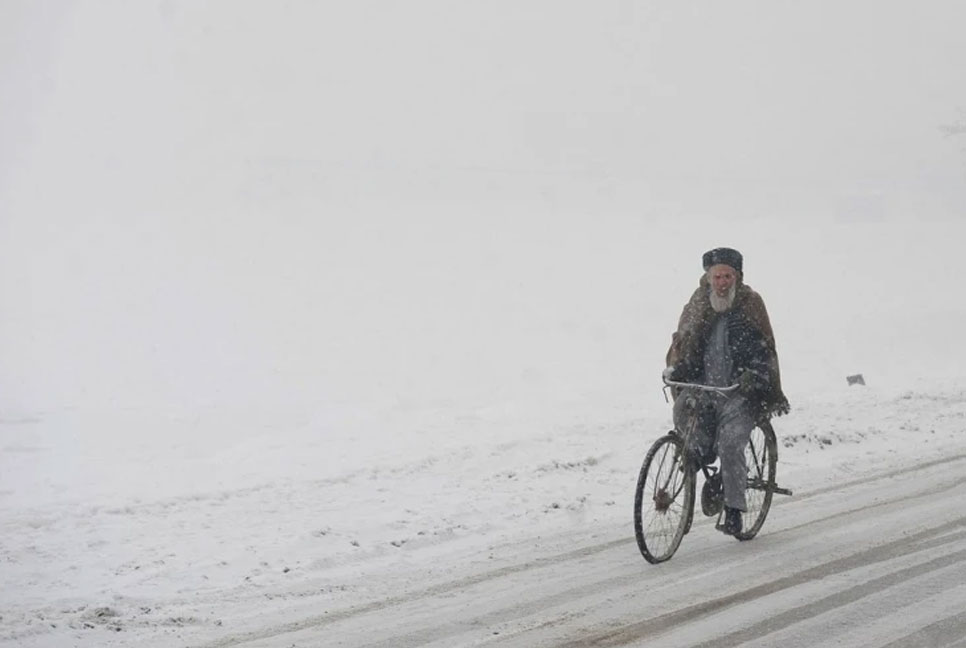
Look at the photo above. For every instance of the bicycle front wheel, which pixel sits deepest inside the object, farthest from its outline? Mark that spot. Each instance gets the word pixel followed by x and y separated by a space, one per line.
pixel 664 500
pixel 761 459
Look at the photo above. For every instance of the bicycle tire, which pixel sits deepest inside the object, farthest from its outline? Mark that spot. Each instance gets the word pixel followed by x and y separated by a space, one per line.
pixel 663 500
pixel 692 488
pixel 761 459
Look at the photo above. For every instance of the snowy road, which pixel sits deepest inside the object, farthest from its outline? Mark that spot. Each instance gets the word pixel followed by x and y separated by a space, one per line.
pixel 496 541
pixel 879 561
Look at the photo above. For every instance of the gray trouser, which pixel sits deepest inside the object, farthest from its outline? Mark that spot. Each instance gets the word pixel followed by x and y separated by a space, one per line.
pixel 731 417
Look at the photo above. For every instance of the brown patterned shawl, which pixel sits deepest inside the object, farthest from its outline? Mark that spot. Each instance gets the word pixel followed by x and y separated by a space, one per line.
pixel 687 343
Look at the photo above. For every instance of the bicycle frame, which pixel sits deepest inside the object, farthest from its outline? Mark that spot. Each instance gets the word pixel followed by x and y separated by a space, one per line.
pixel 723 391
pixel 693 462
pixel 665 497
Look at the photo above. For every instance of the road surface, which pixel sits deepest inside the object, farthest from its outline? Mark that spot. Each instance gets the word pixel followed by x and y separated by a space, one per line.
pixel 873 562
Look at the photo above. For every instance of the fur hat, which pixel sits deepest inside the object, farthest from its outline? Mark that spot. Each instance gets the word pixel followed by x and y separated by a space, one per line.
pixel 725 256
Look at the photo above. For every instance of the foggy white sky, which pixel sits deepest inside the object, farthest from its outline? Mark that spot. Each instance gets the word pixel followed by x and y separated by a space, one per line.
pixel 205 203
pixel 825 98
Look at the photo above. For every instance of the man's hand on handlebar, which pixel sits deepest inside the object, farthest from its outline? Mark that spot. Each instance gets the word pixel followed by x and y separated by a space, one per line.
pixel 746 383
pixel 751 381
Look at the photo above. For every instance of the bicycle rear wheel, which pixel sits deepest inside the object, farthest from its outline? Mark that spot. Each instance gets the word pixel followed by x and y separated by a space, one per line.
pixel 761 459
pixel 664 500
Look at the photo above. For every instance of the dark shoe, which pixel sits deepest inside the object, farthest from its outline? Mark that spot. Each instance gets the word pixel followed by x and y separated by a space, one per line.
pixel 732 521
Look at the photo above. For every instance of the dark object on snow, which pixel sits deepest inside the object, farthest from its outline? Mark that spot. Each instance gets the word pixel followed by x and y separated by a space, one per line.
pixel 712 495
pixel 857 379
pixel 726 256
pixel 732 522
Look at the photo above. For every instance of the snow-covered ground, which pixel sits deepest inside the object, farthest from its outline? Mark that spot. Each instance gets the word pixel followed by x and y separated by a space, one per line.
pixel 175 538
pixel 309 307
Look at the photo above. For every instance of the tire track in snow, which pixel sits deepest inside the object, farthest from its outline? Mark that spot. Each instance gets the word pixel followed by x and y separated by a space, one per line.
pixel 950 632
pixel 951 532
pixel 321 620
pixel 840 599
pixel 435 590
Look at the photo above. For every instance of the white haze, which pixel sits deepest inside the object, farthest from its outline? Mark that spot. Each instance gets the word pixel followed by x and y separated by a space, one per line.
pixel 241 241
pixel 210 205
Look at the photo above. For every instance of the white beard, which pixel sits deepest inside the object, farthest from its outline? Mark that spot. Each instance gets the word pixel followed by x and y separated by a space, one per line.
pixel 722 304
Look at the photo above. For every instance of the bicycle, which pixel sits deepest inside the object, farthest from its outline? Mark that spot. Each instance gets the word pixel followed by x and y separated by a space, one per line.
pixel 665 495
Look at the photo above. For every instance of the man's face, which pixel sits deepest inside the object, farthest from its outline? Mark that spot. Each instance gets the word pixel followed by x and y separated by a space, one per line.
pixel 722 277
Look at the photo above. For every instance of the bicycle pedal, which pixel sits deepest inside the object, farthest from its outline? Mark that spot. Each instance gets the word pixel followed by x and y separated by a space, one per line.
pixel 712 497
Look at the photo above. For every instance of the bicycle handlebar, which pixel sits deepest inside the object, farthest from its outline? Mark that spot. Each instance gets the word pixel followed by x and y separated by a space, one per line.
pixel 709 388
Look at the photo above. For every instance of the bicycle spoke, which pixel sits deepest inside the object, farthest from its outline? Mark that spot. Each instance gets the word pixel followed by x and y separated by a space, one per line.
pixel 755 456
pixel 663 501
pixel 760 459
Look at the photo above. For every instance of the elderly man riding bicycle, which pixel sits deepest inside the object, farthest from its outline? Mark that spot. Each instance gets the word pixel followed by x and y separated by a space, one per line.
pixel 724 337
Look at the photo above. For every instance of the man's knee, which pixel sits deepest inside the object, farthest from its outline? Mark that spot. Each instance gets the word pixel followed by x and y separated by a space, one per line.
pixel 733 438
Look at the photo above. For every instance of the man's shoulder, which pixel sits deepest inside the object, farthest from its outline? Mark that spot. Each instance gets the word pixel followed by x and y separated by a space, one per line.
pixel 748 290
pixel 751 297
pixel 752 308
